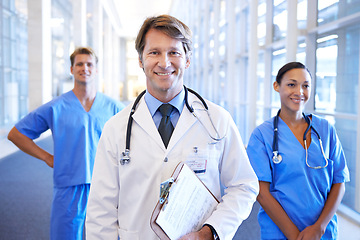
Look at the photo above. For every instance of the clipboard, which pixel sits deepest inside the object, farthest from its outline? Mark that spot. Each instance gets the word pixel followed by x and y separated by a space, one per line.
pixel 183 188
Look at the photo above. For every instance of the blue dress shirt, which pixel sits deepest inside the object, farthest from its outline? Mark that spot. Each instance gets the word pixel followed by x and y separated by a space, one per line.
pixel 153 104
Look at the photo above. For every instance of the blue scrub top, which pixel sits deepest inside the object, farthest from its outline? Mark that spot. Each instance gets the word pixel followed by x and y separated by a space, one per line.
pixel 75 133
pixel 301 191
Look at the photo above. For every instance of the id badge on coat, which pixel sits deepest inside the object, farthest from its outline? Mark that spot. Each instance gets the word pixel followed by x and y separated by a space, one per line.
pixel 197 160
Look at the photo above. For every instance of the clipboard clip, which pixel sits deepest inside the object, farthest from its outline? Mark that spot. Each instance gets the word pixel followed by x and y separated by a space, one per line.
pixel 165 189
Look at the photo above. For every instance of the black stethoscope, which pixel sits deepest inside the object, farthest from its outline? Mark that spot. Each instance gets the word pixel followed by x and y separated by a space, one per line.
pixel 277 158
pixel 126 154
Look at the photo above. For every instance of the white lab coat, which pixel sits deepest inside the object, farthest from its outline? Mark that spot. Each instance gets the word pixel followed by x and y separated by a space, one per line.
pixel 122 197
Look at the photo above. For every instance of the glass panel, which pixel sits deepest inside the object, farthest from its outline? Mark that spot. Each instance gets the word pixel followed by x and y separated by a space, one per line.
pixel 7 52
pixel 62 33
pixel 241 73
pixel 211 34
pixel 261 22
pixel 242 27
pixel 223 29
pixel 259 115
pixel 23 92
pixel 1 53
pixel 196 53
pixel 261 76
pixel 9 4
pixel 12 101
pixel 280 19
pixel 13 60
pixel 222 47
pixel 302 14
pixel 326 57
pixel 301 54
pixel 221 88
pixel 1 112
pixel 89 22
pixel 279 59
pixel 211 50
pixel 210 90
pixel 337 71
pixel 6 3
pixel 327 11
pixel 347 80
pixel 347 130
pixel 21 8
pixel 1 83
pixel 330 10
pixel 14 49
pixel 6 23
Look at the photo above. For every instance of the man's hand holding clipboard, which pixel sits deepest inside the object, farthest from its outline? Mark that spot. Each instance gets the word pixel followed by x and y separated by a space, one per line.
pixel 186 206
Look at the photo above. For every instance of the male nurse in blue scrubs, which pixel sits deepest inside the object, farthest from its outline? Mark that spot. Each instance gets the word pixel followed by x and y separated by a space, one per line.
pixel 76 120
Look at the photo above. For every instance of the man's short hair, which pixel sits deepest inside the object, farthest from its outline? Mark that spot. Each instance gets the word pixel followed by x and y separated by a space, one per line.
pixel 170 26
pixel 82 50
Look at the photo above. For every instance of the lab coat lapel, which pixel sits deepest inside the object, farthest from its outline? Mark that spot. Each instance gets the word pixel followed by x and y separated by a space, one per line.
pixel 185 122
pixel 143 118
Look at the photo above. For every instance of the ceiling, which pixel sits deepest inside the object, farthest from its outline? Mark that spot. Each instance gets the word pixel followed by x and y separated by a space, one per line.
pixel 132 13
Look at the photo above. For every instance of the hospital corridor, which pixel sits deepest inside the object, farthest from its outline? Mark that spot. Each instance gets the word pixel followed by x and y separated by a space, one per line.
pixel 281 77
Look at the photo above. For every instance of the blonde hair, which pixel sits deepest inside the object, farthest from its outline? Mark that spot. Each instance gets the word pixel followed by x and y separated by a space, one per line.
pixel 82 50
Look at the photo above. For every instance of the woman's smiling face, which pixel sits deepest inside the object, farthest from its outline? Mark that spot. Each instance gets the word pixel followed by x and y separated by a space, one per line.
pixel 294 89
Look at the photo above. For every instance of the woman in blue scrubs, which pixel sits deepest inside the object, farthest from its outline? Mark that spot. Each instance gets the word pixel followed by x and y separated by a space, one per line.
pixel 301 191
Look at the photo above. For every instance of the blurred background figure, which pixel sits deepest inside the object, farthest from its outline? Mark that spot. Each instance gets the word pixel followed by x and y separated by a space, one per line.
pixel 76 119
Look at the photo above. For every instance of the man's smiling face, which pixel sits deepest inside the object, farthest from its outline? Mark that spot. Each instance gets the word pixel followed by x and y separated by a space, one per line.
pixel 164 62
pixel 84 68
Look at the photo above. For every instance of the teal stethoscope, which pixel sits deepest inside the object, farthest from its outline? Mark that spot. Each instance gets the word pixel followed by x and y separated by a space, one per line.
pixel 126 154
pixel 277 158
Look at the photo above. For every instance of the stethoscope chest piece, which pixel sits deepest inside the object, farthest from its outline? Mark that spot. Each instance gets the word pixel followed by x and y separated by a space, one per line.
pixel 276 158
pixel 125 158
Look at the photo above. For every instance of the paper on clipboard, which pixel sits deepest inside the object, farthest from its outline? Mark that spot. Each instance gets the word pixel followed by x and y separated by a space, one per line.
pixel 188 205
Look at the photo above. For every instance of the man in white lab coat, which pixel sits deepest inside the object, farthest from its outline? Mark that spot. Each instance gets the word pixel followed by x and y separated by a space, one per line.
pixel 122 197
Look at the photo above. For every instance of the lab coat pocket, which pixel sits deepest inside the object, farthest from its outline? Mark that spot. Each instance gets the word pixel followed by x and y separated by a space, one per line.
pixel 203 160
pixel 197 159
pixel 128 235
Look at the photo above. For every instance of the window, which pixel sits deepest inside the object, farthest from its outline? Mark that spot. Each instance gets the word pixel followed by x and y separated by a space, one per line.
pixel 301 52
pixel 302 14
pixel 89 22
pixel 261 30
pixel 326 58
pixel 278 60
pixel 13 61
pixel 337 84
pixel 331 10
pixel 280 20
pixel 62 46
pixel 261 89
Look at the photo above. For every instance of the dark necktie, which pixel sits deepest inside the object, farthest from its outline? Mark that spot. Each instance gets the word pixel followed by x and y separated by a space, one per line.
pixel 165 127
